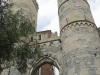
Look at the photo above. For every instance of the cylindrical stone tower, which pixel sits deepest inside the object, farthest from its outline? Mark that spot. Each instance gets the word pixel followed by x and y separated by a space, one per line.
pixel 79 37
pixel 29 8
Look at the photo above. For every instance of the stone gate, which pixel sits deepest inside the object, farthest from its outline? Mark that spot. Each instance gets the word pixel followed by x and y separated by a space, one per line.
pixel 77 50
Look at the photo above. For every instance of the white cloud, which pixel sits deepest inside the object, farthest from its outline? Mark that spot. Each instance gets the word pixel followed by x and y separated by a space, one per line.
pixel 54 25
pixel 48 15
pixel 48 8
pixel 95 8
pixel 96 15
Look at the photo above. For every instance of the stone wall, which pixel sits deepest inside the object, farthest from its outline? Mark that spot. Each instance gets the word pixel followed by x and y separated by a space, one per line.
pixel 79 38
pixel 29 8
pixel 52 54
pixel 77 50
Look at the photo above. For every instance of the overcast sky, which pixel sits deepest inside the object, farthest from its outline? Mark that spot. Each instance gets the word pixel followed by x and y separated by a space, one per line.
pixel 48 16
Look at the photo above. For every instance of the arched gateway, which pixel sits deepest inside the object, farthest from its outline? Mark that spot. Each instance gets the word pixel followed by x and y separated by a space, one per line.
pixel 42 61
pixel 52 56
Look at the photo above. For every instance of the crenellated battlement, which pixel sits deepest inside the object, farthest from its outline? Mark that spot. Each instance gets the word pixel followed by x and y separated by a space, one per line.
pixel 47 36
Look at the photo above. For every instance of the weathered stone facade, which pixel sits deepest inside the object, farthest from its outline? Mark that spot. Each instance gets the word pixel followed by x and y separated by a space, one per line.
pixel 77 50
pixel 29 8
pixel 79 38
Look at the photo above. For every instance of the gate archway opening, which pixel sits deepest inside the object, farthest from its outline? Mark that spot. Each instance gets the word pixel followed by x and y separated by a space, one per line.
pixel 45 66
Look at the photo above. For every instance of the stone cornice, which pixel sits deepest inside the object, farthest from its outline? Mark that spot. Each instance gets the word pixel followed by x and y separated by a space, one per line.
pixel 49 40
pixel 77 23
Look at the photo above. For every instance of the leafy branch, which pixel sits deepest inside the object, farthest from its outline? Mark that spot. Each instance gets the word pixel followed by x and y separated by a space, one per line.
pixel 16 36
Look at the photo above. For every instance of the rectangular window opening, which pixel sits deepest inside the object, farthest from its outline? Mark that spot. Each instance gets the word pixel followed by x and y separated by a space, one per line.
pixel 39 37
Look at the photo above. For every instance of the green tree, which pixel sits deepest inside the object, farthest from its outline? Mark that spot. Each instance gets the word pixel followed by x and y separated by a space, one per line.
pixel 15 29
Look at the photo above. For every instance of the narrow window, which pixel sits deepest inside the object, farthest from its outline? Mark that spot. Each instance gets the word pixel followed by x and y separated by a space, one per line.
pixel 39 37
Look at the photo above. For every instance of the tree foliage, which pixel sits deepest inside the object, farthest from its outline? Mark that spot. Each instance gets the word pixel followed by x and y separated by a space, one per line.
pixel 13 28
